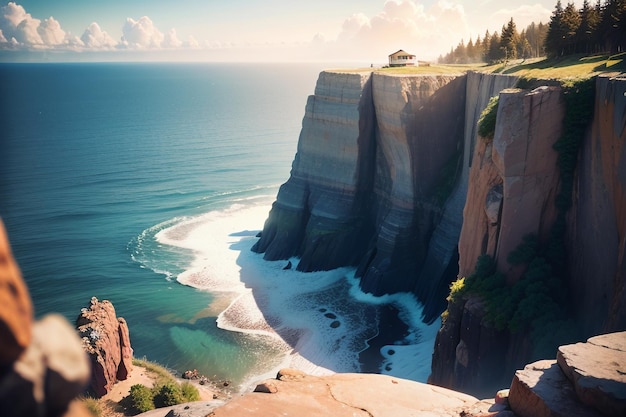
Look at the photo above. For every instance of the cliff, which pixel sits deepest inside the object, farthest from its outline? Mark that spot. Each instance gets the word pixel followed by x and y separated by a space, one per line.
pixel 365 187
pixel 391 177
pixel 519 185
pixel 512 184
pixel 596 224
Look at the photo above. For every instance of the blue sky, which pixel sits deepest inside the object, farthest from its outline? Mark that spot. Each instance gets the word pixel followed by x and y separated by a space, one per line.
pixel 246 30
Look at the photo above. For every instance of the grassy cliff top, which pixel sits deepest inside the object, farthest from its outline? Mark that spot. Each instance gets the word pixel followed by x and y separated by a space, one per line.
pixel 573 66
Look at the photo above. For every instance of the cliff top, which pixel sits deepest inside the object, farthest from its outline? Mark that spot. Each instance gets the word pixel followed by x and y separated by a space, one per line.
pixel 571 66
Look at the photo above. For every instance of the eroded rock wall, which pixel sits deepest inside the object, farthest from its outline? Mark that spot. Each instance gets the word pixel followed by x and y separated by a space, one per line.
pixel 513 181
pixel 597 219
pixel 419 129
pixel 319 213
pixel 441 264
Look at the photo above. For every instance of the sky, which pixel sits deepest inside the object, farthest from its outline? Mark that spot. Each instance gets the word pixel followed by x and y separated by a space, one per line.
pixel 364 31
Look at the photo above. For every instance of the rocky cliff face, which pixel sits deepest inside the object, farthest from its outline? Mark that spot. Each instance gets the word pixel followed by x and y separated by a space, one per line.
pixel 513 185
pixel 320 212
pixel 391 177
pixel 597 220
pixel 363 185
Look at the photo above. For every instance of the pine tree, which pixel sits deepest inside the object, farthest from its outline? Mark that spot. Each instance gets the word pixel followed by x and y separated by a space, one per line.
pixel 509 40
pixel 571 23
pixel 589 20
pixel 556 32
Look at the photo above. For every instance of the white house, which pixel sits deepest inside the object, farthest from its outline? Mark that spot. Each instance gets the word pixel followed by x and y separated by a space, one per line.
pixel 402 59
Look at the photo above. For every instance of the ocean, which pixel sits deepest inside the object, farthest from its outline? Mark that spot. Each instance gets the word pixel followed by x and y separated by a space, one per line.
pixel 146 184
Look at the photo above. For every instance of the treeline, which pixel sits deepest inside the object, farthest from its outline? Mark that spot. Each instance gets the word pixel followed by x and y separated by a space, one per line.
pixel 495 47
pixel 591 29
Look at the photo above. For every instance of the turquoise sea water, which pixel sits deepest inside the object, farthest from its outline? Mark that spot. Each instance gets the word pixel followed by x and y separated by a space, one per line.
pixel 117 179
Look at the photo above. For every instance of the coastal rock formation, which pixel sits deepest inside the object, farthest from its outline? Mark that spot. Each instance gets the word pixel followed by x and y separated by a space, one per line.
pixel 320 212
pixel 364 182
pixel 387 163
pixel 43 366
pixel 411 152
pixel 106 340
pixel 597 219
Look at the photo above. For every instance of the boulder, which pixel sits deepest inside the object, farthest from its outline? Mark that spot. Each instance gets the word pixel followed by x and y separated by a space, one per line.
pixel 16 311
pixel 597 369
pixel 42 365
pixel 542 390
pixel 107 343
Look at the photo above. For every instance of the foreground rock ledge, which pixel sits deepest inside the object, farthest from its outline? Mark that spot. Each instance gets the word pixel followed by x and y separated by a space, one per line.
pixel 294 393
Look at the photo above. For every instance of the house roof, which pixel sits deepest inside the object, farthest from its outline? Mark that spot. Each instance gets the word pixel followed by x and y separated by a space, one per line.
pixel 401 52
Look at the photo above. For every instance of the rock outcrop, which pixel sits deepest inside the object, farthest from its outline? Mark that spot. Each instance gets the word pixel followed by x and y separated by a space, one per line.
pixel 514 178
pixel 43 367
pixel 106 340
pixel 597 370
pixel 587 379
pixel 295 393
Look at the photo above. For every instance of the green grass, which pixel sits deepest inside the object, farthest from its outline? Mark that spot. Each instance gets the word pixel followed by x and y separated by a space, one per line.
pixel 572 66
pixel 162 374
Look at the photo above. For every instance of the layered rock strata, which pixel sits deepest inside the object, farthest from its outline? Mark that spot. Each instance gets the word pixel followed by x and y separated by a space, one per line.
pixel 320 213
pixel 363 183
pixel 106 340
pixel 42 365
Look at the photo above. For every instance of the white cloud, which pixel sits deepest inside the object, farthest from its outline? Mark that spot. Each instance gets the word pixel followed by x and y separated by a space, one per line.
pixel 401 24
pixel 2 38
pixel 95 37
pixel 141 34
pixel 15 23
pixel 191 42
pixel 51 32
pixel 171 39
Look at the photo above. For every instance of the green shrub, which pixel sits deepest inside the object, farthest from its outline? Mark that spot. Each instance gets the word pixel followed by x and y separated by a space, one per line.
pixel 167 394
pixel 487 120
pixel 141 398
pixel 189 391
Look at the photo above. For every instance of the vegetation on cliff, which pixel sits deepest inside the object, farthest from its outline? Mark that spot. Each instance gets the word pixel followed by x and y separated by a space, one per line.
pixel 487 120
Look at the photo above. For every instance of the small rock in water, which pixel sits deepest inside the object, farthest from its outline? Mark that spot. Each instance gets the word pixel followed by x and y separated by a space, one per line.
pixel 288 266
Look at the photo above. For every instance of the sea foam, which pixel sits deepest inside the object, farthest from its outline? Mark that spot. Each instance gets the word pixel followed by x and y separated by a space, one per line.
pixel 319 321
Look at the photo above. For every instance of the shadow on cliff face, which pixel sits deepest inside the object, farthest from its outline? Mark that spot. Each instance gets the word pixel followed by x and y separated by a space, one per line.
pixel 397 254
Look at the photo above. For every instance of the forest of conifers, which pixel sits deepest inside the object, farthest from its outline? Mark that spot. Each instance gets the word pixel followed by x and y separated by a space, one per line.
pixel 599 28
